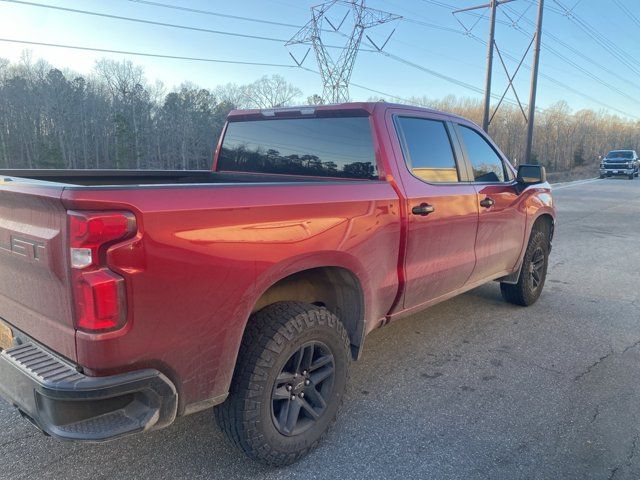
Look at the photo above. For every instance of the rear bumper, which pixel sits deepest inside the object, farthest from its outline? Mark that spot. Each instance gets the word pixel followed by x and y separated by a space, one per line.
pixel 68 405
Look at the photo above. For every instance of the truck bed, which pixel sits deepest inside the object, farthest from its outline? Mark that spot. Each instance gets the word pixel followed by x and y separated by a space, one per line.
pixel 144 177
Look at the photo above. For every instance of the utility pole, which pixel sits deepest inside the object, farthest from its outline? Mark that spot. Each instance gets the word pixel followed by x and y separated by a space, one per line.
pixel 492 46
pixel 493 5
pixel 487 82
pixel 534 83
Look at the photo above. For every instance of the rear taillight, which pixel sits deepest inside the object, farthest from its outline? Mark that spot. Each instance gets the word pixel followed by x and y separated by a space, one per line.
pixel 99 293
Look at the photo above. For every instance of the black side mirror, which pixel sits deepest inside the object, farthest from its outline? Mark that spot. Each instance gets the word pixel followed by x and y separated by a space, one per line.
pixel 531 174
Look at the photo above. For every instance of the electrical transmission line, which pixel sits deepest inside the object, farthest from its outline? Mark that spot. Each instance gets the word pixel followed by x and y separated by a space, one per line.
pixel 627 12
pixel 145 54
pixel 547 78
pixel 623 57
pixel 581 69
pixel 394 57
pixel 558 83
pixel 153 22
pixel 215 14
pixel 336 72
pixel 212 13
pixel 141 20
pixel 574 51
pixel 405 19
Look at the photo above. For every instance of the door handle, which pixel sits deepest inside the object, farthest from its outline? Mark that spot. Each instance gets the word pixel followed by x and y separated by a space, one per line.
pixel 487 202
pixel 423 209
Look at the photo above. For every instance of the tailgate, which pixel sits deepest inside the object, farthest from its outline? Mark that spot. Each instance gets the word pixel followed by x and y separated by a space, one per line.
pixel 35 293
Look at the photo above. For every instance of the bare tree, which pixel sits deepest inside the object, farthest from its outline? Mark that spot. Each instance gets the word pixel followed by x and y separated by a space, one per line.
pixel 52 118
pixel 271 92
pixel 232 94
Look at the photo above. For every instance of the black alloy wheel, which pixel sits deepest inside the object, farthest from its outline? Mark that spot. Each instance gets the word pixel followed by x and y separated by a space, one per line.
pixel 536 267
pixel 532 274
pixel 301 389
pixel 289 382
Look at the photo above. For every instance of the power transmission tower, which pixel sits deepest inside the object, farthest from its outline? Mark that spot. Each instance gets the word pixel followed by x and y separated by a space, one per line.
pixel 336 72
pixel 492 46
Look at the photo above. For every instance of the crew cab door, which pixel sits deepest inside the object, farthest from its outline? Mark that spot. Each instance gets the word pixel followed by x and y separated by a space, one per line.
pixel 502 219
pixel 442 210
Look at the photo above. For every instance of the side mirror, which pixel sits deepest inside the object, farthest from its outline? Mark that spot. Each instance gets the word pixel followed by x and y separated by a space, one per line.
pixel 531 174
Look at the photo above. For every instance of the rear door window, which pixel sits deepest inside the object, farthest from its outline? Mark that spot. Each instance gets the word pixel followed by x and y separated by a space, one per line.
pixel 427 150
pixel 323 147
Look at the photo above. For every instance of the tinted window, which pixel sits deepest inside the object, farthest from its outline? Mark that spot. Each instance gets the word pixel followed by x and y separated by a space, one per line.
pixel 327 147
pixel 487 165
pixel 428 151
pixel 620 154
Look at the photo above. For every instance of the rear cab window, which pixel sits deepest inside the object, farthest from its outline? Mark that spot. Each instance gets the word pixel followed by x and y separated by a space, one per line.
pixel 339 147
pixel 427 149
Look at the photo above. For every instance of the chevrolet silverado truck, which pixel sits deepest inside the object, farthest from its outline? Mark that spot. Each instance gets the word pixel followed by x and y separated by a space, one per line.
pixel 128 298
pixel 620 162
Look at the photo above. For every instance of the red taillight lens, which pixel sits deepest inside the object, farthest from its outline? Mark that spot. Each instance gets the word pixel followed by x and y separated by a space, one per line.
pixel 99 293
pixel 99 297
pixel 89 232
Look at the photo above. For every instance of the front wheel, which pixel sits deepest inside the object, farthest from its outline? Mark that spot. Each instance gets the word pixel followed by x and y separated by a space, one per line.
pixel 289 382
pixel 532 274
pixel 632 176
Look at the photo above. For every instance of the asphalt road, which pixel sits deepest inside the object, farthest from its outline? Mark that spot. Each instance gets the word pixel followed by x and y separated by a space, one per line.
pixel 472 388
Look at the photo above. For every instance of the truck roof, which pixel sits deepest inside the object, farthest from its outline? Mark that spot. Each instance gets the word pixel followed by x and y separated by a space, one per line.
pixel 350 108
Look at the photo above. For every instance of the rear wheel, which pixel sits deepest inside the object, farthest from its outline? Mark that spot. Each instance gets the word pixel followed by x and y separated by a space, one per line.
pixel 532 274
pixel 289 382
pixel 632 176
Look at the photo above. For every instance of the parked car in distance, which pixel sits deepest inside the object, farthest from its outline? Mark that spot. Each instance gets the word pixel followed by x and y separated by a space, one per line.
pixel 128 298
pixel 620 162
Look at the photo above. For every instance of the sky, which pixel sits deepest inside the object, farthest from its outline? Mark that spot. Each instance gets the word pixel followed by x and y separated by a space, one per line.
pixel 573 66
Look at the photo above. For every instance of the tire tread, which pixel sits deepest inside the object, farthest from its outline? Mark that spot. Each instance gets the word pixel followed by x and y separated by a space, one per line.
pixel 518 293
pixel 266 335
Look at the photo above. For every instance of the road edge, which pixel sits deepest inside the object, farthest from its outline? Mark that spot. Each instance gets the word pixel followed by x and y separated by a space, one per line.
pixel 561 185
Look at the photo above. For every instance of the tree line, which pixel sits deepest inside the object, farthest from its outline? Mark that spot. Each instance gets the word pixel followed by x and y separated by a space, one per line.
pixel 115 118
pixel 562 139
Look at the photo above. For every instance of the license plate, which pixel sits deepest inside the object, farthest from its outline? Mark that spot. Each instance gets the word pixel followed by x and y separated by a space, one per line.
pixel 614 171
pixel 6 337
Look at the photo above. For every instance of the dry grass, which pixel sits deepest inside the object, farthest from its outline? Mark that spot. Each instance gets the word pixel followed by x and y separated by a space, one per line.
pixel 577 173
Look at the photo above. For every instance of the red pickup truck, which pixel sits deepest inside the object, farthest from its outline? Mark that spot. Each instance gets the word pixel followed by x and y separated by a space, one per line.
pixel 128 298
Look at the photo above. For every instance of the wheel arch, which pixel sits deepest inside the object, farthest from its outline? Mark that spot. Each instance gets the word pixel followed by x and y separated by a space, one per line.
pixel 334 287
pixel 545 221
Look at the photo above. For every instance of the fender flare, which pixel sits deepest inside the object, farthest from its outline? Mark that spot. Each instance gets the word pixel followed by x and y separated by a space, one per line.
pixel 515 276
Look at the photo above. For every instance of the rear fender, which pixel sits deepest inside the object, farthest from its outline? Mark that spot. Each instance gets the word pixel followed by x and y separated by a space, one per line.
pixel 291 266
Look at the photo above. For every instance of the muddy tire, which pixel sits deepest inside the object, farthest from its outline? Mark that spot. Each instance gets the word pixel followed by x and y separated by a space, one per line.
pixel 532 274
pixel 289 382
